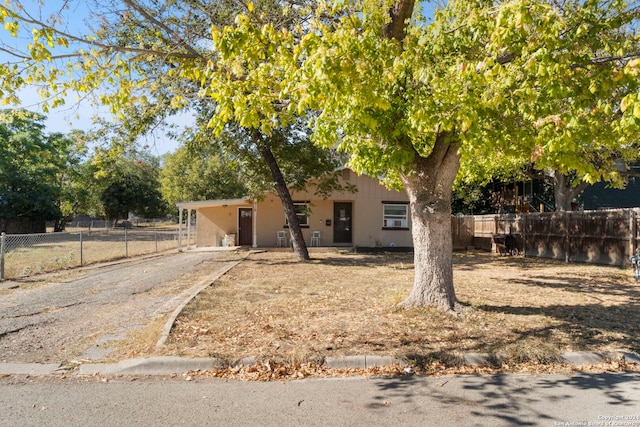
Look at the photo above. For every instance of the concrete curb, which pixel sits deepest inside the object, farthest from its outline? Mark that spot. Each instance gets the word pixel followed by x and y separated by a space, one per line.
pixel 168 365
pixel 361 362
pixel 161 365
pixel 573 358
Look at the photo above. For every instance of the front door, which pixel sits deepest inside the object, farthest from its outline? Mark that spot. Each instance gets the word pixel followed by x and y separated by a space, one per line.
pixel 245 227
pixel 342 223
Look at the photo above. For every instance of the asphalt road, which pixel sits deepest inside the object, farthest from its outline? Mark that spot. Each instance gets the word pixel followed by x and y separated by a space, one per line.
pixel 503 400
pixel 80 313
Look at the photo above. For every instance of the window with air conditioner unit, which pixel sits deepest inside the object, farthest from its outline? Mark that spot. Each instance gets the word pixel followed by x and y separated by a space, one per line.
pixel 302 212
pixel 395 215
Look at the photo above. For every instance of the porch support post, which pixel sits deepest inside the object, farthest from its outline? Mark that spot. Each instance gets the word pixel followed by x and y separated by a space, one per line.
pixel 189 229
pixel 179 228
pixel 255 222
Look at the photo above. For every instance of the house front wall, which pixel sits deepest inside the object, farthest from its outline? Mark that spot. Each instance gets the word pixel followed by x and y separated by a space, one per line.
pixel 214 223
pixel 366 222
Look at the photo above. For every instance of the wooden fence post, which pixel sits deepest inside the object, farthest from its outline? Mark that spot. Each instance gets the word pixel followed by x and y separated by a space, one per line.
pixel 633 232
pixel 524 235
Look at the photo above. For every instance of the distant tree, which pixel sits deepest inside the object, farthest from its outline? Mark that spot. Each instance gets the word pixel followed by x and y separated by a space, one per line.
pixel 200 174
pixel 132 185
pixel 36 169
pixel 74 177
pixel 125 178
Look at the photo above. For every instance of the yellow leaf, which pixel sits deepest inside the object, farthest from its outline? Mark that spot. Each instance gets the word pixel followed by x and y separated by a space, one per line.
pixel 250 7
pixel 382 104
pixel 624 104
pixel 634 63
pixel 466 124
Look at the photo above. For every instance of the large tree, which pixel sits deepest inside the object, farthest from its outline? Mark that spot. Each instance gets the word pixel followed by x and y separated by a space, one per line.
pixel 412 100
pixel 482 83
pixel 152 59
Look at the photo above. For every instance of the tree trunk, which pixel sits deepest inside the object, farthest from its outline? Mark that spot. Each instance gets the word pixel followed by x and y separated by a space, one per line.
pixel 563 191
pixel 58 225
pixel 61 223
pixel 299 245
pixel 400 12
pixel 430 189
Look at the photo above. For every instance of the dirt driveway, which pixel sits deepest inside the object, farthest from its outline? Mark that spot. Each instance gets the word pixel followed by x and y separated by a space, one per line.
pixel 82 314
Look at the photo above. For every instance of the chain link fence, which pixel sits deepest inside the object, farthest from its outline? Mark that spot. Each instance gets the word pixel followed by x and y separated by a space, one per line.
pixel 22 255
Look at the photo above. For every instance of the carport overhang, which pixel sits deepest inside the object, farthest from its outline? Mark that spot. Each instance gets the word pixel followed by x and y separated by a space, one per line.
pixel 196 205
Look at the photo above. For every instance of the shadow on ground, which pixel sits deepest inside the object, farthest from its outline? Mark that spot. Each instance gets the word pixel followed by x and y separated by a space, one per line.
pixel 517 399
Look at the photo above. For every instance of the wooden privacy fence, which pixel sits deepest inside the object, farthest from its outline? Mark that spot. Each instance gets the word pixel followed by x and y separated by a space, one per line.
pixel 600 237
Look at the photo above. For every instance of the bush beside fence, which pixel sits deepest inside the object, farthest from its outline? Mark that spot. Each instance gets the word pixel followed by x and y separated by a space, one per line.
pixel 23 255
pixel 600 237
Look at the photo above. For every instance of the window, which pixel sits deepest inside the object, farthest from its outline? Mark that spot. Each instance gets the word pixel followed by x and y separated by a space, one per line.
pixel 395 215
pixel 302 211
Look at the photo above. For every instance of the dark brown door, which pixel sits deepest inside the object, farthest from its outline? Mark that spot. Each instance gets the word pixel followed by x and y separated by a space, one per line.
pixel 342 222
pixel 245 227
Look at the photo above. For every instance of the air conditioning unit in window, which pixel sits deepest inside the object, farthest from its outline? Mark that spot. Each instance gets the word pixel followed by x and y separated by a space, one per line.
pixel 393 223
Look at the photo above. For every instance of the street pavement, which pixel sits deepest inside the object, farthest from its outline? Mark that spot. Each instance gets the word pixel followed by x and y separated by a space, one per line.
pixel 496 400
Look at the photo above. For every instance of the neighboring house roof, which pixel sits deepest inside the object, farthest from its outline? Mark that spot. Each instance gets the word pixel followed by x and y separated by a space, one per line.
pixel 213 203
pixel 598 196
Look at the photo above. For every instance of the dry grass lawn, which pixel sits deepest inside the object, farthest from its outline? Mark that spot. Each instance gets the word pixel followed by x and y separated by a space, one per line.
pixel 522 310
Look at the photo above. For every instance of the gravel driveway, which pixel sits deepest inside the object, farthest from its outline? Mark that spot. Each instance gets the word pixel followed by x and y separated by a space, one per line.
pixel 78 314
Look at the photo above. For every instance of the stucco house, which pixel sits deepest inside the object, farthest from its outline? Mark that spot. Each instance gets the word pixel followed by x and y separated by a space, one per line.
pixel 373 216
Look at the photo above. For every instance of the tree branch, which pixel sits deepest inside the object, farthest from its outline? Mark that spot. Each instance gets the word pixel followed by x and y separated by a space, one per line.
pixel 400 13
pixel 180 41
pixel 606 60
pixel 105 47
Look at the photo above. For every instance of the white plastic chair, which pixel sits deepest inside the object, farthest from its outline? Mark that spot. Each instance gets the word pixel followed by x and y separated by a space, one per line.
pixel 282 238
pixel 315 238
